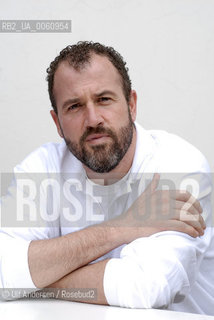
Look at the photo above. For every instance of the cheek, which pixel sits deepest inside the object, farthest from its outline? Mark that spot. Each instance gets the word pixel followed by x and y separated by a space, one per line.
pixel 113 114
pixel 120 116
pixel 71 130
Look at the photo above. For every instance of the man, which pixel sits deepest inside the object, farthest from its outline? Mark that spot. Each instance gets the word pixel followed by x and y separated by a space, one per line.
pixel 115 231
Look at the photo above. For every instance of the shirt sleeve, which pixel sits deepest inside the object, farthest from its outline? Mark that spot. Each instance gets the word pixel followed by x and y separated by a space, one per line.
pixel 14 263
pixel 152 272
pixel 16 235
pixel 155 271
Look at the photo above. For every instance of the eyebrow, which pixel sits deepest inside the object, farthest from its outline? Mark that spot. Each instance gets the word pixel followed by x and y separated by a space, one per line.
pixel 76 100
pixel 105 92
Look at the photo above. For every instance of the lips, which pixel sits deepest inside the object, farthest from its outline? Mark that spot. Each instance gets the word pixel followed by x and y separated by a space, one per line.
pixel 94 137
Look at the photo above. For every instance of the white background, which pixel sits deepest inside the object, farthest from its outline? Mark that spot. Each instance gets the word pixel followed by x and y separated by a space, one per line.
pixel 169 48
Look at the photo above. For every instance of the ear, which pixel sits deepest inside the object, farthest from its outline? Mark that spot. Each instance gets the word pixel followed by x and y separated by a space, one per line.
pixel 56 121
pixel 133 104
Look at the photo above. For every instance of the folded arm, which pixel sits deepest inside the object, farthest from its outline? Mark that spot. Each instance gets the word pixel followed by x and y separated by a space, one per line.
pixel 151 272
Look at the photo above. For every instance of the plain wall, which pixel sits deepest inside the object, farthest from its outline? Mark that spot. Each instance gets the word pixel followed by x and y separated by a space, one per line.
pixel 169 48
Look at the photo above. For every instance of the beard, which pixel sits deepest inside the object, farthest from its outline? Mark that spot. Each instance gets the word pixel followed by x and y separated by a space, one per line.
pixel 103 157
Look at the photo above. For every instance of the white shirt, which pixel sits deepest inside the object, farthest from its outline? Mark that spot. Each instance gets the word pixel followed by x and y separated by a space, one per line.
pixel 166 270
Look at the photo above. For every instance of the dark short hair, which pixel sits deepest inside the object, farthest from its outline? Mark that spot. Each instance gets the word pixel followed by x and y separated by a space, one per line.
pixel 78 55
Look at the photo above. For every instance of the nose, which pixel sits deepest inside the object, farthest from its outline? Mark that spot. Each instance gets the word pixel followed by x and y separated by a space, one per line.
pixel 93 117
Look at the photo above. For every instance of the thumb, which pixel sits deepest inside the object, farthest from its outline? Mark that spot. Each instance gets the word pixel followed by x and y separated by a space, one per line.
pixel 152 186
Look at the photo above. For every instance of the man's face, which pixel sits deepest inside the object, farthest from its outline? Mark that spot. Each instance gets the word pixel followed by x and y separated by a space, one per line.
pixel 93 116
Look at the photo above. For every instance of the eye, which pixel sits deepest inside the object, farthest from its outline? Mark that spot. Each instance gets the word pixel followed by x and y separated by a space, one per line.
pixel 73 107
pixel 104 99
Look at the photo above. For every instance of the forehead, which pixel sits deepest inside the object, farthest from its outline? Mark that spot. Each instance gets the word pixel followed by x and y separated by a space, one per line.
pixel 97 74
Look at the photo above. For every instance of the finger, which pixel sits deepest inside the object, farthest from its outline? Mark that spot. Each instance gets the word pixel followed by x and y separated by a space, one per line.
pixel 190 209
pixel 185 206
pixel 196 221
pixel 186 228
pixel 197 217
pixel 196 203
pixel 180 226
pixel 185 196
pixel 202 222
pixel 183 215
pixel 153 184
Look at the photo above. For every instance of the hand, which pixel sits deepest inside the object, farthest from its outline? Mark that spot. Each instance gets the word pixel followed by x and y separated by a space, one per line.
pixel 162 210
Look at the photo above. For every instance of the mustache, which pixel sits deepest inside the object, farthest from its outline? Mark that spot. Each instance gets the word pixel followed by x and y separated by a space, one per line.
pixel 96 130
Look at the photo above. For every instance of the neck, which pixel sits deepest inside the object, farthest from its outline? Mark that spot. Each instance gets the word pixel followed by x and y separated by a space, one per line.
pixel 119 171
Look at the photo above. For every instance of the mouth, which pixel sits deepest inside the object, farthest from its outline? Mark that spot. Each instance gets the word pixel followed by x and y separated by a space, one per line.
pixel 97 138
